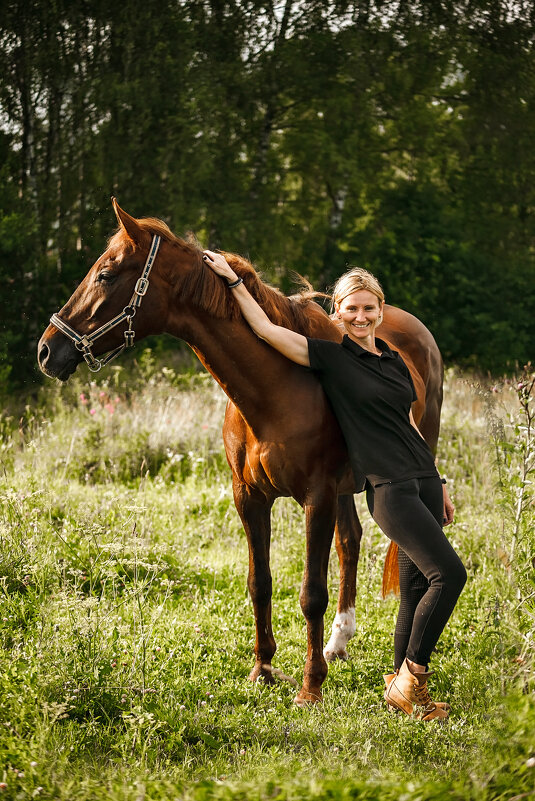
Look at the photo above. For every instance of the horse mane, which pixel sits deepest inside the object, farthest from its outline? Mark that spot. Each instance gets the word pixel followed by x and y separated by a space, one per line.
pixel 207 291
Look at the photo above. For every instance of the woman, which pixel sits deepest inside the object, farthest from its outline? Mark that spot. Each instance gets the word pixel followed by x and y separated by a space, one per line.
pixel 371 391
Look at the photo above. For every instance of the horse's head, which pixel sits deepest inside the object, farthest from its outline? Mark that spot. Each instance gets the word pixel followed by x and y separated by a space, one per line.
pixel 116 289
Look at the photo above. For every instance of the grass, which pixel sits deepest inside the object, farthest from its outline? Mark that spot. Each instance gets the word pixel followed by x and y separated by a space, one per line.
pixel 127 632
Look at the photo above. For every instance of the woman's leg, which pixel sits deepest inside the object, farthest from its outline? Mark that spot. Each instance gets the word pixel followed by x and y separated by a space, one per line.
pixel 400 511
pixel 412 587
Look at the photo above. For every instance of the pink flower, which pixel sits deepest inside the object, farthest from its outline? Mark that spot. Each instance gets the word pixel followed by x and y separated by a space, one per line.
pixel 92 411
pixel 109 408
pixel 83 399
pixel 102 394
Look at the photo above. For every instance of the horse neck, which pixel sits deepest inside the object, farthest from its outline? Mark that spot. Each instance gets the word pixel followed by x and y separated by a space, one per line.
pixel 246 368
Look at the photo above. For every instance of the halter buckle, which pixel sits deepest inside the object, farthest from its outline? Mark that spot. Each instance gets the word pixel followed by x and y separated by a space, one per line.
pixel 129 336
pixel 142 284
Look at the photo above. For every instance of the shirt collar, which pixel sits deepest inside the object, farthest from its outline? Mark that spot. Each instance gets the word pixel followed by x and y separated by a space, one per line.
pixel 358 350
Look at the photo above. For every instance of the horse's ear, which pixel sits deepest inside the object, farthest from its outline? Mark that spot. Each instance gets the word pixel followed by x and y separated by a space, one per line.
pixel 134 231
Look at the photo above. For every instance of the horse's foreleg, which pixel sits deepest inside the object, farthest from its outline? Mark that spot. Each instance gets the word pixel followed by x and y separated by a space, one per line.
pixel 320 520
pixel 255 513
pixel 348 535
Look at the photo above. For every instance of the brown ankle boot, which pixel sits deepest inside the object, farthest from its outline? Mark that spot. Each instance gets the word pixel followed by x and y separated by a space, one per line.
pixel 389 677
pixel 407 691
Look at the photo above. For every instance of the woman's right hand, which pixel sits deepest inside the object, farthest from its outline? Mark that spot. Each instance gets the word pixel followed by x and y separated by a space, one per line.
pixel 219 265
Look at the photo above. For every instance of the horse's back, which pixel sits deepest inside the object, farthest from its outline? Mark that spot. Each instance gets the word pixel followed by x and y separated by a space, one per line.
pixel 407 334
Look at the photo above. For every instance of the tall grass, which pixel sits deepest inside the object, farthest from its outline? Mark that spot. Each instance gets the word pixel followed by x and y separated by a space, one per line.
pixel 127 631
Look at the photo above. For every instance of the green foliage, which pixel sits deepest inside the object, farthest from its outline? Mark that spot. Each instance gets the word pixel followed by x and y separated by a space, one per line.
pixel 126 633
pixel 307 136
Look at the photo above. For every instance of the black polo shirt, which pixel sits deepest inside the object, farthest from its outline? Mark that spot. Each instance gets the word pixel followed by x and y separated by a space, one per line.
pixel 371 397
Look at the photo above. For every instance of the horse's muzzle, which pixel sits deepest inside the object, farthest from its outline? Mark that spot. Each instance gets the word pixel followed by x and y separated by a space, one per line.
pixel 57 357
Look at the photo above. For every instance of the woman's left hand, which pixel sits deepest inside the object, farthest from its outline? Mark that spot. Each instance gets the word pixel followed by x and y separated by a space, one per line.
pixel 449 508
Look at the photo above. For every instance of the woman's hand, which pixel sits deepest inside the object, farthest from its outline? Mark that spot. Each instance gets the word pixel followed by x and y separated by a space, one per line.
pixel 449 509
pixel 219 265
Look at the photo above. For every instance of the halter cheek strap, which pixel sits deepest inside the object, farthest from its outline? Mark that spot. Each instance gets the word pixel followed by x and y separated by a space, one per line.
pixel 84 342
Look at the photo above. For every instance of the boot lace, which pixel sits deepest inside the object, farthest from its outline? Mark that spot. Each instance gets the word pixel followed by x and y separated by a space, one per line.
pixel 423 698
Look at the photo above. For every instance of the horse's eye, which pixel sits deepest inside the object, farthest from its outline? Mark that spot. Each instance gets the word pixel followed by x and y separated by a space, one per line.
pixel 105 277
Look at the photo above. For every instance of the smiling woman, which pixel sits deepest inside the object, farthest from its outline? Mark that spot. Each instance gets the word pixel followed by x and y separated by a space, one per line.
pixel 358 300
pixel 371 391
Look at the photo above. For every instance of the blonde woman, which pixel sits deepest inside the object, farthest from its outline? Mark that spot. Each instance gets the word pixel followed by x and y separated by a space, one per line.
pixel 371 391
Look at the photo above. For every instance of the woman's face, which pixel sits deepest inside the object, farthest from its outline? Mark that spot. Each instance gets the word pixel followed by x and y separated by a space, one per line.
pixel 361 313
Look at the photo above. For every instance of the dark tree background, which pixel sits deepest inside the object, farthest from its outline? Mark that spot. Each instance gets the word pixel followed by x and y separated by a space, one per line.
pixel 308 135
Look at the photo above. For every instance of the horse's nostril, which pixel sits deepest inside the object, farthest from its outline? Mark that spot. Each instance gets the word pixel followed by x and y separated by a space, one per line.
pixel 44 352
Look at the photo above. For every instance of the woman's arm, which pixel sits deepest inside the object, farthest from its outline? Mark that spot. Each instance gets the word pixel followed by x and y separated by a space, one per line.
pixel 449 508
pixel 291 344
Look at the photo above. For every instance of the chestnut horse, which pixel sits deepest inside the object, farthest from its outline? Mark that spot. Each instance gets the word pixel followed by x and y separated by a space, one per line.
pixel 280 435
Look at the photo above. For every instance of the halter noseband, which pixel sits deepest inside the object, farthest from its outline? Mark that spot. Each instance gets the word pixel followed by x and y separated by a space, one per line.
pixel 83 342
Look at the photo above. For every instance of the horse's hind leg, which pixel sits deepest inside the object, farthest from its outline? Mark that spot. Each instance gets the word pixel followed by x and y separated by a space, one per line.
pixel 255 513
pixel 320 520
pixel 348 535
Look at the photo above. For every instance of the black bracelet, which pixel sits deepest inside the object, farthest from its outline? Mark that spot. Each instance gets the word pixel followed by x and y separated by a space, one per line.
pixel 235 283
pixel 443 480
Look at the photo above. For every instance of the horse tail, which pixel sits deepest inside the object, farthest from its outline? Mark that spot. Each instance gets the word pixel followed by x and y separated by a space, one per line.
pixel 391 571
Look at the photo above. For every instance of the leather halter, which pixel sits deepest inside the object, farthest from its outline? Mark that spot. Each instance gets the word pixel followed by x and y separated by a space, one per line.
pixel 83 342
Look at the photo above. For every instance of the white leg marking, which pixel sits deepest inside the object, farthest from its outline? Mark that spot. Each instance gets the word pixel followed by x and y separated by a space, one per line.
pixel 344 627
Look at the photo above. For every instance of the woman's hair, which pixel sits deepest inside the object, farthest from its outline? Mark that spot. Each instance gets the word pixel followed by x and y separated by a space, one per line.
pixel 354 279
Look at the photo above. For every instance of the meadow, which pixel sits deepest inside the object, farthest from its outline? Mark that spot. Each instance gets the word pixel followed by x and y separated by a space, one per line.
pixel 127 633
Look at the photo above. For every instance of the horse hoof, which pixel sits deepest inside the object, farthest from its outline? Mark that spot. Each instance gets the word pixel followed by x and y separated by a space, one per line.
pixel 332 656
pixel 304 699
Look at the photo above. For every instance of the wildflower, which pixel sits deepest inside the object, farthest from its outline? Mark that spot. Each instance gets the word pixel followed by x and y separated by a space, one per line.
pixel 242 751
pixel 530 763
pixel 33 764
pixel 181 706
pixel 102 394
pixel 203 703
pixel 92 411
pixel 110 408
pixel 114 664
pixel 3 786
pixel 83 399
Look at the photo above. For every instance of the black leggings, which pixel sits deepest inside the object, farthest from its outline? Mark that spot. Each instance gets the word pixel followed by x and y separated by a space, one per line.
pixel 431 575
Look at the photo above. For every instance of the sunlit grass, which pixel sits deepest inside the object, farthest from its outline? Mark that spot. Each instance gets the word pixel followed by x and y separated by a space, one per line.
pixel 127 631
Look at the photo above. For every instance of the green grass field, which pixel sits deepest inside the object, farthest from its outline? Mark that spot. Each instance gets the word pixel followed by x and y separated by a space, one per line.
pixel 127 632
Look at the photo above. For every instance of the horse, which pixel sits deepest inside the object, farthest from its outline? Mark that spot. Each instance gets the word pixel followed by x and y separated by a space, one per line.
pixel 280 434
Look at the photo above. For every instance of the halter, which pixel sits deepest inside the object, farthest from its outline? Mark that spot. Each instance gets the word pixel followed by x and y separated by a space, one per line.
pixel 83 342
